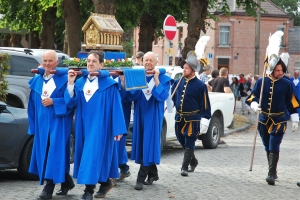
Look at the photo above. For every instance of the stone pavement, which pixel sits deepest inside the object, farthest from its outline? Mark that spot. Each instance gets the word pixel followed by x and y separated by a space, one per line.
pixel 222 173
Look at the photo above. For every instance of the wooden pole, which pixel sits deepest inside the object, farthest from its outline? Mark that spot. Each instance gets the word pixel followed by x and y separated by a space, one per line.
pixel 257 117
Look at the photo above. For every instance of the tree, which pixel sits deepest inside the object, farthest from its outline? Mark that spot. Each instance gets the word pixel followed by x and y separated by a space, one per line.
pixel 290 7
pixel 200 11
pixel 149 15
pixel 71 14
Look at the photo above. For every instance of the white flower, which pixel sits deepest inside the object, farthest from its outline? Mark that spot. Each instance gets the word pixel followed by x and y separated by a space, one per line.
pixel 129 59
pixel 123 60
pixel 112 60
pixel 104 60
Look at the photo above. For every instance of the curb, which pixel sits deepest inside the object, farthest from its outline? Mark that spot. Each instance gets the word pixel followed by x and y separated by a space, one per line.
pixel 240 129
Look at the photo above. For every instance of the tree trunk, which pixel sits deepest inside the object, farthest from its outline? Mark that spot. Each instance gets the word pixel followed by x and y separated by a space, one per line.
pixel 148 25
pixel 105 7
pixel 48 24
pixel 6 41
pixel 35 40
pixel 195 25
pixel 71 14
pixel 15 40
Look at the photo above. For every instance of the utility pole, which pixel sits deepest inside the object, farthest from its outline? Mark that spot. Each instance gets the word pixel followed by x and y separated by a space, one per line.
pixel 257 41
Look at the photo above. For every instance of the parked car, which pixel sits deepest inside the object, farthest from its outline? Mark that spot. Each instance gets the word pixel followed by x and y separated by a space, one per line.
pixel 25 59
pixel 15 143
pixel 222 112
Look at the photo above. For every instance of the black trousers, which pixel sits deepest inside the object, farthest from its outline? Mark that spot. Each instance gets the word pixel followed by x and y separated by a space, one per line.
pixel 49 187
pixel 150 171
pixel 90 188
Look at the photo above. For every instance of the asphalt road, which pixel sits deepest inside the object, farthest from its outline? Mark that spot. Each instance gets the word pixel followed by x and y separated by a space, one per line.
pixel 222 173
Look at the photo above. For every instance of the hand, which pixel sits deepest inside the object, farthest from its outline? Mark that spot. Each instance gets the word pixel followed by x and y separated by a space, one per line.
pixel 71 77
pixel 254 105
pixel 157 72
pixel 47 102
pixel 294 126
pixel 203 128
pixel 118 138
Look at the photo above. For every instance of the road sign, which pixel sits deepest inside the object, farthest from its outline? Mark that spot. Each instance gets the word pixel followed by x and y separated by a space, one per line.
pixel 170 27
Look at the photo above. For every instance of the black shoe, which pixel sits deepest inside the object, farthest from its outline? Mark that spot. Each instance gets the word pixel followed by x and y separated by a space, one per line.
pixel 104 190
pixel 184 172
pixel 298 184
pixel 87 196
pixel 270 180
pixel 123 176
pixel 64 191
pixel 222 142
pixel 150 180
pixel 138 186
pixel 45 195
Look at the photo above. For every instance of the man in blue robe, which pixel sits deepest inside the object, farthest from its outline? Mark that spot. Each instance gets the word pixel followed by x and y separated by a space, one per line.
pixel 99 121
pixel 278 97
pixel 50 122
pixel 192 111
pixel 148 121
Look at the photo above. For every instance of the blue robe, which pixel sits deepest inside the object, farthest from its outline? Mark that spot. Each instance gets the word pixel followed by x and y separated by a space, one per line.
pixel 52 125
pixel 148 121
pixel 97 122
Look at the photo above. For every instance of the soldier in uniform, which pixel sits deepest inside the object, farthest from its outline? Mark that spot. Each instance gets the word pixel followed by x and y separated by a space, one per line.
pixel 277 103
pixel 192 107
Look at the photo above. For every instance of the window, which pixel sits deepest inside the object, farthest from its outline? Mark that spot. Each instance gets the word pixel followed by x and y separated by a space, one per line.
pixel 281 29
pixel 224 35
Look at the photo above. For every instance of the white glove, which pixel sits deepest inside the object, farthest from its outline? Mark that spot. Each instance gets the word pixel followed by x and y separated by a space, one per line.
pixel 294 126
pixel 204 125
pixel 254 105
pixel 295 120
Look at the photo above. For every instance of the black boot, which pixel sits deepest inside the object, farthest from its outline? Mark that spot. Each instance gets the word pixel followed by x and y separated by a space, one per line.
pixel 194 163
pixel 188 154
pixel 273 160
pixel 268 153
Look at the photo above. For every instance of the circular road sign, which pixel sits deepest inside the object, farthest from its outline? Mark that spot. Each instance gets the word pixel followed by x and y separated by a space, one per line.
pixel 170 28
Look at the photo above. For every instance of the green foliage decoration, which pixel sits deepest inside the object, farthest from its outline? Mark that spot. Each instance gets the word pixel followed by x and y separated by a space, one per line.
pixel 4 59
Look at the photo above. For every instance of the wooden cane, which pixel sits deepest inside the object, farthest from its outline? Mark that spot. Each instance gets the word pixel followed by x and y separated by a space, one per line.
pixel 257 117
pixel 173 93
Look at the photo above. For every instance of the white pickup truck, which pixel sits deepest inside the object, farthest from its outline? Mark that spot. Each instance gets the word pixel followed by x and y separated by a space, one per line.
pixel 222 112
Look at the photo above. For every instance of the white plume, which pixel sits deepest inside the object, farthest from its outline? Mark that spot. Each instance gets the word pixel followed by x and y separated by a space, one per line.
pixel 200 46
pixel 285 58
pixel 274 44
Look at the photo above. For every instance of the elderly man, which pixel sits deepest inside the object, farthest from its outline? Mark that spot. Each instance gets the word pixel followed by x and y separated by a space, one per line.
pixel 148 121
pixel 192 107
pixel 50 122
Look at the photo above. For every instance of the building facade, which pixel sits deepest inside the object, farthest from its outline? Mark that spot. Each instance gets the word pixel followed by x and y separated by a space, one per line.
pixel 232 40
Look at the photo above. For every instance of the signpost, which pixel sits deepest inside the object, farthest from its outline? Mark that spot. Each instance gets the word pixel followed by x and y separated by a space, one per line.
pixel 170 27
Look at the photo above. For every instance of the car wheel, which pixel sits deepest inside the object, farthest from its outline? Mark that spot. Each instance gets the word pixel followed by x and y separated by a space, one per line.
pixel 25 162
pixel 210 140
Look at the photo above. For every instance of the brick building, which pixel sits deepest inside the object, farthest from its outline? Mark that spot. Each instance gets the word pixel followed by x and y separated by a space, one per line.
pixel 232 43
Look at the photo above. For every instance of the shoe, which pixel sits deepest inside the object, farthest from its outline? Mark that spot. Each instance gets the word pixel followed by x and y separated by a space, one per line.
pixel 150 181
pixel 123 176
pixel 184 173
pixel 103 190
pixel 64 191
pixel 114 181
pixel 222 142
pixel 138 186
pixel 249 113
pixel 87 196
pixel 45 195
pixel 270 180
pixel 298 184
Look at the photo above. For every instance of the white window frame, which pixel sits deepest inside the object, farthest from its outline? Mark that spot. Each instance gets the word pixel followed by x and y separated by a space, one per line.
pixel 223 35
